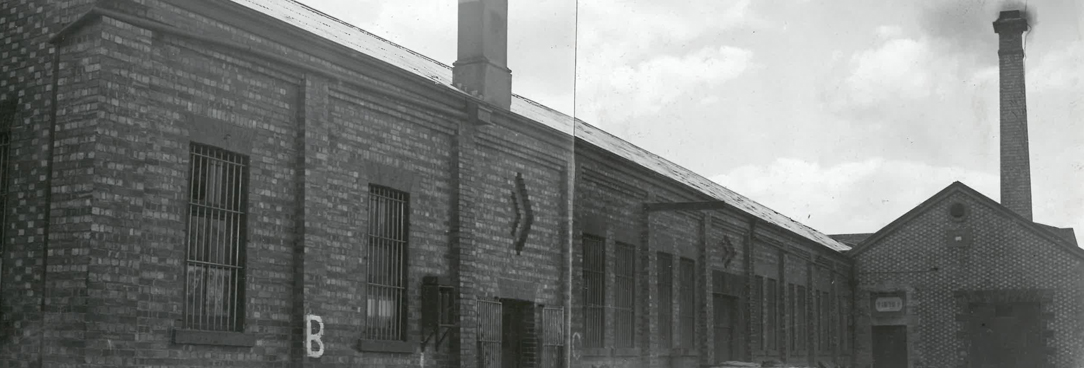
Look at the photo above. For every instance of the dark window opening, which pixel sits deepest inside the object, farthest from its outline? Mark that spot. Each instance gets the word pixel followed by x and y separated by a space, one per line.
pixel 687 308
pixel 625 296
pixel 666 300
pixel 594 290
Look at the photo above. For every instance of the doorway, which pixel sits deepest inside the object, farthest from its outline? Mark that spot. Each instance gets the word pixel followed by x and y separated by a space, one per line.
pixel 1005 335
pixel 725 321
pixel 889 346
pixel 517 337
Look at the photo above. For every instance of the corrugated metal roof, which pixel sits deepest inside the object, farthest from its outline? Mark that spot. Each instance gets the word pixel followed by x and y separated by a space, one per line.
pixel 323 25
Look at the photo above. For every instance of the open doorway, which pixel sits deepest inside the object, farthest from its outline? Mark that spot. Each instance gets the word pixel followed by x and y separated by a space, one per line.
pixel 518 337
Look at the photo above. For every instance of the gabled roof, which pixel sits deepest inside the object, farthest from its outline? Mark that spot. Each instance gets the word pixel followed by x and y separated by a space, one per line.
pixel 1053 234
pixel 323 25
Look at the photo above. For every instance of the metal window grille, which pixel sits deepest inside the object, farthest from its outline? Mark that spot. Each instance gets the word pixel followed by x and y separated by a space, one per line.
pixel 757 312
pixel 625 296
pixel 594 289
pixel 687 309
pixel 792 318
pixel 844 325
pixel 771 299
pixel 666 299
pixel 489 333
pixel 215 261
pixel 7 118
pixel 387 266
pixel 553 337
pixel 803 327
pixel 826 323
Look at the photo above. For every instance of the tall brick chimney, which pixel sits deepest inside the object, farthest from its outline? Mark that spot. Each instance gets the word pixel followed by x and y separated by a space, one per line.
pixel 1015 161
pixel 481 67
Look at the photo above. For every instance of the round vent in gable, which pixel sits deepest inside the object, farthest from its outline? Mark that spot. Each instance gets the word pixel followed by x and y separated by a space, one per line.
pixel 957 211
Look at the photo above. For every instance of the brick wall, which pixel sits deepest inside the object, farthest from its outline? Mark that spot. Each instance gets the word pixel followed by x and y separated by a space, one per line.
pixel 1000 257
pixel 609 200
pixel 318 124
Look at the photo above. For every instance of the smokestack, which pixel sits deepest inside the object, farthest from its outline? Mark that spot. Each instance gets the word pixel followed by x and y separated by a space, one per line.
pixel 1015 161
pixel 481 68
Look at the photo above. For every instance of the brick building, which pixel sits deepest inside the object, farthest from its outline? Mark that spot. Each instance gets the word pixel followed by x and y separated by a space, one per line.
pixel 255 183
pixel 964 281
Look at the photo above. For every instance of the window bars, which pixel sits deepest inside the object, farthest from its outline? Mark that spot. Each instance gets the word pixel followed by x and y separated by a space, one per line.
pixel 7 119
pixel 625 296
pixel 666 300
pixel 771 314
pixel 792 317
pixel 594 290
pixel 489 333
pixel 386 264
pixel 801 318
pixel 687 308
pixel 553 337
pixel 215 261
pixel 757 313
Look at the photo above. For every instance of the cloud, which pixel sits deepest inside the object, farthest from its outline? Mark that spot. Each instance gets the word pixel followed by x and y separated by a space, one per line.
pixel 651 85
pixel 898 69
pixel 637 56
pixel 850 197
pixel 1062 68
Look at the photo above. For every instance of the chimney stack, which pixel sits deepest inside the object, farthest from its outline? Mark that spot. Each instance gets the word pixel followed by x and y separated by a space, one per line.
pixel 482 65
pixel 1015 161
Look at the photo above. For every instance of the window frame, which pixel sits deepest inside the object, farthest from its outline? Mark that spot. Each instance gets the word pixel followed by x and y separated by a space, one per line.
pixel 625 331
pixel 593 268
pixel 666 300
pixel 204 156
pixel 687 303
pixel 396 271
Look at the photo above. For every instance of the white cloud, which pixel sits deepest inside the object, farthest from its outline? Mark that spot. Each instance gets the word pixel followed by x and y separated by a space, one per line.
pixel 889 32
pixel 851 197
pixel 634 55
pixel 1060 68
pixel 649 86
pixel 900 68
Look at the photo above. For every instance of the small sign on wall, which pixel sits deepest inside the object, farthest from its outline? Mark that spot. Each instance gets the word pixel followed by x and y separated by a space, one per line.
pixel 887 304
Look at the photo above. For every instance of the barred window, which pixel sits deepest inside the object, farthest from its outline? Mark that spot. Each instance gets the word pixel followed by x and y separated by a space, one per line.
pixel 594 290
pixel 757 313
pixel 7 119
pixel 791 318
pixel 771 314
pixel 802 325
pixel 217 221
pixel 666 299
pixel 386 264
pixel 625 296
pixel 845 325
pixel 687 308
pixel 821 298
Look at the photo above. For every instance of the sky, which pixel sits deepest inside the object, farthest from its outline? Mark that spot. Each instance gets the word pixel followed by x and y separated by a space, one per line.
pixel 843 115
